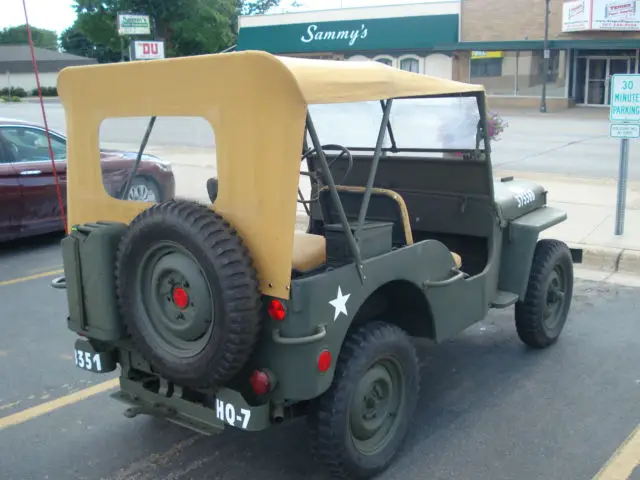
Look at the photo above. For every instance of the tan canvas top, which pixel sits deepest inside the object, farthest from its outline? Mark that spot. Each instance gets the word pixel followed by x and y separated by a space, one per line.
pixel 256 104
pixel 334 81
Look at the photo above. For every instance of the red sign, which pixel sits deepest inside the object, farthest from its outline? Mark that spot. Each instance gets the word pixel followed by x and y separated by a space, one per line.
pixel 148 49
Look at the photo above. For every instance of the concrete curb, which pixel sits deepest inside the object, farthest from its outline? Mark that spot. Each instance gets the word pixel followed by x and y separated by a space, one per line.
pixel 609 259
pixel 594 257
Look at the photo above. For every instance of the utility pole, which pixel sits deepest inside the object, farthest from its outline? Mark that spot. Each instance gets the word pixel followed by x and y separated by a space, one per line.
pixel 546 54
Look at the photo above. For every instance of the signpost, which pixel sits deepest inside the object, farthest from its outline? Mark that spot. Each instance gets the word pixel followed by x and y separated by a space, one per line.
pixel 624 115
pixel 131 24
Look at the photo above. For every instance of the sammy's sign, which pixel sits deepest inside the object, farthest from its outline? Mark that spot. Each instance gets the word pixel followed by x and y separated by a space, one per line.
pixel 315 33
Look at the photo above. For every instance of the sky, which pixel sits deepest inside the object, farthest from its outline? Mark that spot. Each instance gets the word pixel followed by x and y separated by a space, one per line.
pixel 57 15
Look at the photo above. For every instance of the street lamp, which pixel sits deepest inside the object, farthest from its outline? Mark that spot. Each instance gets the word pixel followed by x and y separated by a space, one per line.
pixel 546 54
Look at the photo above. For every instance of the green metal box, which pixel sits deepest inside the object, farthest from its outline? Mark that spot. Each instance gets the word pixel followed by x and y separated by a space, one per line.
pixel 88 254
pixel 374 239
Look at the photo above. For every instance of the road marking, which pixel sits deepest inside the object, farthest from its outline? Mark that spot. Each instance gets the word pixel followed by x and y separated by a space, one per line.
pixel 31 277
pixel 34 271
pixel 624 461
pixel 48 407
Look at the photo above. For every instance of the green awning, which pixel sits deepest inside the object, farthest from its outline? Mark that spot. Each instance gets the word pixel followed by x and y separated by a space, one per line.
pixel 377 34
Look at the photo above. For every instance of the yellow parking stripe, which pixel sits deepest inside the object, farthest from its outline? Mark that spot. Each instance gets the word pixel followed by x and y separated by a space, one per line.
pixel 31 277
pixel 623 462
pixel 48 407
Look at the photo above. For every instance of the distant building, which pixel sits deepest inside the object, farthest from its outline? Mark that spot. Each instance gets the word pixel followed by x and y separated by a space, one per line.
pixel 16 66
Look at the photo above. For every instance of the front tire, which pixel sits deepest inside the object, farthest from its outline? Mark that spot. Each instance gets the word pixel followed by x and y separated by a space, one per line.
pixel 542 314
pixel 358 426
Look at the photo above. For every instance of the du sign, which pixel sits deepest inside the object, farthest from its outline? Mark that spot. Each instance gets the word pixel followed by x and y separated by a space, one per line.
pixel 148 50
pixel 625 98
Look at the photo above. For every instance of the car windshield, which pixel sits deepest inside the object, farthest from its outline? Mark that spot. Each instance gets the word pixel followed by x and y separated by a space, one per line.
pixel 422 123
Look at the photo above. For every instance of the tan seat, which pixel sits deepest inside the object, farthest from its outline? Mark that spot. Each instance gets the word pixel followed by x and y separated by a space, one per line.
pixel 457 259
pixel 309 251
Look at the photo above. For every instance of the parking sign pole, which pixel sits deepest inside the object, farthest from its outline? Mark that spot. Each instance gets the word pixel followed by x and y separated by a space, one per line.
pixel 622 185
pixel 624 115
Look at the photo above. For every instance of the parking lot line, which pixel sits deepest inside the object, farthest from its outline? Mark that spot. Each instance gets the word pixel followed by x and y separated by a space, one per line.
pixel 48 407
pixel 31 277
pixel 624 461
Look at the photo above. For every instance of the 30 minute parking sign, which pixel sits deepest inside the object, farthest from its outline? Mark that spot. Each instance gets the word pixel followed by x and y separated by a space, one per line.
pixel 625 98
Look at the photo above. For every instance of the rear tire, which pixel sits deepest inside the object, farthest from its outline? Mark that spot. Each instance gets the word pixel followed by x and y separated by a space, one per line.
pixel 188 293
pixel 377 380
pixel 542 314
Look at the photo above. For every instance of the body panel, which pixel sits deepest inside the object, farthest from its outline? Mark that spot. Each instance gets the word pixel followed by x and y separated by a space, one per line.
pixel 309 308
pixel 519 242
pixel 11 197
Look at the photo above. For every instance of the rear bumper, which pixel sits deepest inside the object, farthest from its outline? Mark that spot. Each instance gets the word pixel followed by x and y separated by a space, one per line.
pixel 228 408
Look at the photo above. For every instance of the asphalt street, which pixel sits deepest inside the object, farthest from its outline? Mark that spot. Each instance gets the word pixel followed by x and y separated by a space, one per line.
pixel 573 142
pixel 490 409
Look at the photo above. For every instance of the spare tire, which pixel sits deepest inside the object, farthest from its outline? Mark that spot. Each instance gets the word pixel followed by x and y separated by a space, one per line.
pixel 188 293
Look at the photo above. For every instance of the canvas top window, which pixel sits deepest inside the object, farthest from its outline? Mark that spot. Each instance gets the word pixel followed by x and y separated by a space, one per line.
pixel 433 125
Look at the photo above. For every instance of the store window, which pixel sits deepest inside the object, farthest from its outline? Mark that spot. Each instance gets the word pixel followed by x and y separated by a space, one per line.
pixel 486 67
pixel 410 65
pixel 385 60
pixel 519 73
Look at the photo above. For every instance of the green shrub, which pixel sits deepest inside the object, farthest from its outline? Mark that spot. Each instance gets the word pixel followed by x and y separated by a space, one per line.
pixel 7 98
pixel 46 92
pixel 15 91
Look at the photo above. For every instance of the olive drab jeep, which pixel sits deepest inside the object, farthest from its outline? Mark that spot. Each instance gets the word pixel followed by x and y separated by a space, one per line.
pixel 222 314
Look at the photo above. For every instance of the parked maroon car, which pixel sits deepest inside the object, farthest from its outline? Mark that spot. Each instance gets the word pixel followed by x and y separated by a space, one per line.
pixel 27 185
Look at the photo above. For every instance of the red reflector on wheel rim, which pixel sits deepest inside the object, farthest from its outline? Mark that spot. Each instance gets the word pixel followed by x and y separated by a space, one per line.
pixel 180 297
pixel 276 310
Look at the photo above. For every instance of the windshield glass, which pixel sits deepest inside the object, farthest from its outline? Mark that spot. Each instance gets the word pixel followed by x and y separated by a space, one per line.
pixel 423 123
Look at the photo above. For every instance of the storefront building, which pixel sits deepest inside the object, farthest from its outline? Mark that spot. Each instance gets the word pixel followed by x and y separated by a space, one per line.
pixel 497 43
pixel 404 36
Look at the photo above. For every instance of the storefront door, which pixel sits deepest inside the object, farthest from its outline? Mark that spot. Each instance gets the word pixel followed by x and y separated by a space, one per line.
pixel 598 77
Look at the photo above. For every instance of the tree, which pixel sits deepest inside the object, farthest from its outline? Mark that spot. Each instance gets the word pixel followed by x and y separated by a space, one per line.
pixel 188 27
pixel 73 41
pixel 18 36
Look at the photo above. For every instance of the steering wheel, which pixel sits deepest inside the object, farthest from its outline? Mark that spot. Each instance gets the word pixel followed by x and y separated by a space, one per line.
pixel 318 173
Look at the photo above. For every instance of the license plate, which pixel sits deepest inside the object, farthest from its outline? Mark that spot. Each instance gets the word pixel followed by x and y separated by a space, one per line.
pixel 88 359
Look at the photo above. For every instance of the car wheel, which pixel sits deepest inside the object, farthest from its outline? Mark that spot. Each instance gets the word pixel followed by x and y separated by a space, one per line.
pixel 360 423
pixel 188 293
pixel 542 314
pixel 144 190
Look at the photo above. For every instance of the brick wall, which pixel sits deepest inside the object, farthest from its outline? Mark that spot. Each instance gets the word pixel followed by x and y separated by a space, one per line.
pixel 509 20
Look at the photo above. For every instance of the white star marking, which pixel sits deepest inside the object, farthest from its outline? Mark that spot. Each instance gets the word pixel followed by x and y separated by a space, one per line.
pixel 340 304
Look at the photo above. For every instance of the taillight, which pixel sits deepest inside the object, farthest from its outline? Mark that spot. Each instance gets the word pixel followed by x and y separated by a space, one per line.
pixel 276 310
pixel 260 382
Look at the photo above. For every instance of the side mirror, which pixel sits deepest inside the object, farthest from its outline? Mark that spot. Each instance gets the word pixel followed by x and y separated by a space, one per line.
pixel 212 189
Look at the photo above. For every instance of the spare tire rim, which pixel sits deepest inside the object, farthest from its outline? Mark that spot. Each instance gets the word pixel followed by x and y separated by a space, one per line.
pixel 176 300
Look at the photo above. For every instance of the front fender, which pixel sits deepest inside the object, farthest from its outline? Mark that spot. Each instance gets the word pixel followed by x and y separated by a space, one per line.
pixel 520 239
